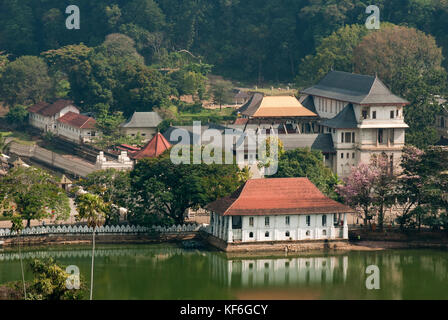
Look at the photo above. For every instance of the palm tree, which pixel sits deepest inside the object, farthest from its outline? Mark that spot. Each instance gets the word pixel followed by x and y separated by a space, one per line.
pixel 92 208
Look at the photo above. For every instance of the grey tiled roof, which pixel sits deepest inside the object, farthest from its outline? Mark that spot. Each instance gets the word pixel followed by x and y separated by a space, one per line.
pixel 143 120
pixel 354 88
pixel 251 106
pixel 345 119
pixel 321 141
pixel 308 102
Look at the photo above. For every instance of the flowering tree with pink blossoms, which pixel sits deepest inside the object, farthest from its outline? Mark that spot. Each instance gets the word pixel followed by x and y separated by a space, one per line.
pixel 358 190
pixel 370 188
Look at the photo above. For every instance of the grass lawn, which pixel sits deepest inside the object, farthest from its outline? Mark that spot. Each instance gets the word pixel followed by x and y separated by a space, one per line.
pixel 212 115
pixel 20 137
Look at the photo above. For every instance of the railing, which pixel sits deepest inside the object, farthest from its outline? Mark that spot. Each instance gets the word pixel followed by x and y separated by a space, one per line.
pixel 78 229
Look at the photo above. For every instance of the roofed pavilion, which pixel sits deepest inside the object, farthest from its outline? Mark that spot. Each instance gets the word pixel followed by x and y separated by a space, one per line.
pixel 154 148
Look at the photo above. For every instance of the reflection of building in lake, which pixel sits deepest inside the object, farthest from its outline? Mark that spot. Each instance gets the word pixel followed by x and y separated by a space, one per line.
pixel 279 271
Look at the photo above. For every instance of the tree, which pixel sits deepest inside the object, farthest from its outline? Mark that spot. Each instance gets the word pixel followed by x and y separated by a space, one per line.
pixel 334 52
pixel 93 209
pixel 388 50
pixel 304 162
pixel 421 187
pixel 357 190
pixel 17 115
pixel 25 81
pixel 120 46
pixel 112 185
pixel 67 57
pixel 50 282
pixel 163 191
pixel 221 91
pixel 31 194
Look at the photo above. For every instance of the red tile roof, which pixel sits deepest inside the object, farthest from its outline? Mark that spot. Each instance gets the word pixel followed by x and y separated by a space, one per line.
pixel 38 106
pixel 153 148
pixel 49 110
pixel 77 120
pixel 277 196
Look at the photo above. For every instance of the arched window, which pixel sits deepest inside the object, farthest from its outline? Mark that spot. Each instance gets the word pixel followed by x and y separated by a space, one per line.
pixel 266 234
pixel 324 232
pixel 308 233
pixel 251 234
pixel 287 234
pixel 324 220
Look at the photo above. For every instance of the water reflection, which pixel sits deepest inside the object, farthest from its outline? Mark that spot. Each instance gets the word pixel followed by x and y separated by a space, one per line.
pixel 171 272
pixel 287 271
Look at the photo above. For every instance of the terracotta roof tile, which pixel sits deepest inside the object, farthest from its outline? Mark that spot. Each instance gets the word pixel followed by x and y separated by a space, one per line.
pixel 78 120
pixel 49 110
pixel 154 148
pixel 277 196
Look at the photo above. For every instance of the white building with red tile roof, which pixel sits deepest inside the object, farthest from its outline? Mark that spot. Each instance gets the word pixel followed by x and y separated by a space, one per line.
pixel 44 115
pixel 280 209
pixel 76 127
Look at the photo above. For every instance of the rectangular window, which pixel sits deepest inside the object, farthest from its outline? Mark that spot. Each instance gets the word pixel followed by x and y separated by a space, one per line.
pixel 287 221
pixel 308 221
pixel 373 114
pixel 348 137
pixel 251 221
pixel 380 135
pixel 324 221
pixel 364 114
pixel 342 155
pixel 353 137
pixel 392 135
pixel 266 221
pixel 353 155
pixel 392 114
pixel 342 137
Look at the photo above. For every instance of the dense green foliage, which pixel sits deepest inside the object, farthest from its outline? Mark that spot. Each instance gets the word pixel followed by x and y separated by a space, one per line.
pixel 307 163
pixel 250 40
pixel 31 193
pixel 163 191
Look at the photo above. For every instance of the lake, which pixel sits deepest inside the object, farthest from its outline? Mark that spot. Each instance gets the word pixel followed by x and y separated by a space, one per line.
pixel 170 272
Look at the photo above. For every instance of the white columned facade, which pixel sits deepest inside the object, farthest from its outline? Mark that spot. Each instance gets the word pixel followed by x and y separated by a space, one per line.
pixel 345 227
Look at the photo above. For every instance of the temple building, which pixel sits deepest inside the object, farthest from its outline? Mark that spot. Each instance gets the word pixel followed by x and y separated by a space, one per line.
pixel 153 148
pixel 362 116
pixel 279 209
pixel 143 124
pixel 348 117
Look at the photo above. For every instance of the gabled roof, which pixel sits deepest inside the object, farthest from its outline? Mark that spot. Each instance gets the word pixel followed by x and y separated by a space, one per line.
pixel 38 106
pixel 354 88
pixel 345 119
pixel 143 120
pixel 77 120
pixel 49 110
pixel 277 196
pixel 308 102
pixel 260 106
pixel 154 148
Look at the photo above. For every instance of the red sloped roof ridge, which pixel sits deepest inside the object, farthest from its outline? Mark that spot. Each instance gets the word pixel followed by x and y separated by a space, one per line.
pixel 77 120
pixel 277 196
pixel 50 110
pixel 154 148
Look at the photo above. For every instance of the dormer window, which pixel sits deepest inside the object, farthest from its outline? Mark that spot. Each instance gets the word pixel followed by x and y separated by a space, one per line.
pixel 364 114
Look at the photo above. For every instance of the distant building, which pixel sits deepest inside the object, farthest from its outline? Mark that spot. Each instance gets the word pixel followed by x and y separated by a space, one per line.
pixel 241 97
pixel 362 116
pixel 44 115
pixel 143 123
pixel 348 117
pixel 63 119
pixel 280 209
pixel 153 148
pixel 76 127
